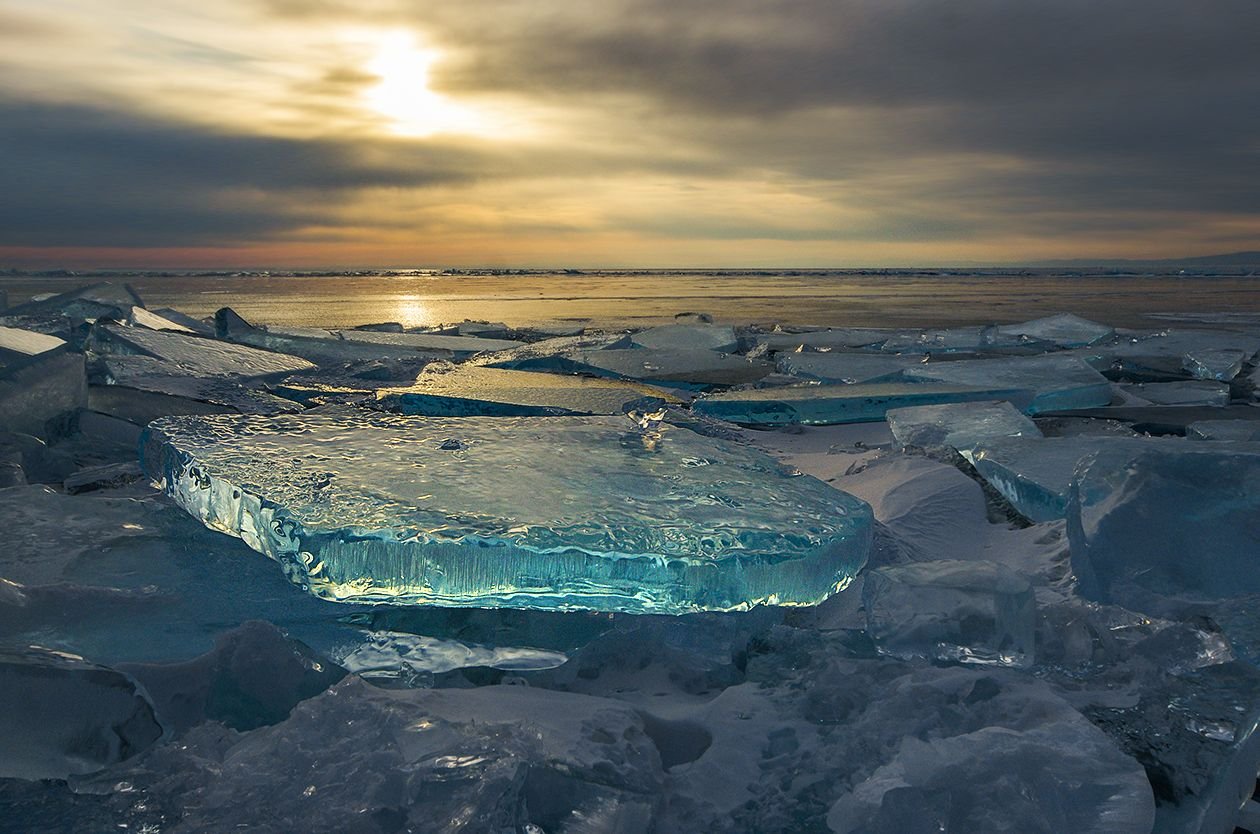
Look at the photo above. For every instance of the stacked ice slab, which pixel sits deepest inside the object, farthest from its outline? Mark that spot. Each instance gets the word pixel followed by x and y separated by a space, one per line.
pixel 39 380
pixel 549 513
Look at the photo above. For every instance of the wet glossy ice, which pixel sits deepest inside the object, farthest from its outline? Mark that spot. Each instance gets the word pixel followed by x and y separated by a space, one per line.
pixel 552 513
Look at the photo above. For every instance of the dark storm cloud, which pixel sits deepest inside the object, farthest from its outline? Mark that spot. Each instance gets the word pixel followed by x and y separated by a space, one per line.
pixel 77 175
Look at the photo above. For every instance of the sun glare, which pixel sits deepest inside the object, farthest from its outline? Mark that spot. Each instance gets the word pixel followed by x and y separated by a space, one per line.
pixel 403 96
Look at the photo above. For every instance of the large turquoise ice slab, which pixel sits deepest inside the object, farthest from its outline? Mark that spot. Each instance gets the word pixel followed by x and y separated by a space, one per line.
pixel 821 405
pixel 1060 382
pixel 549 513
pixel 1062 329
pixel 444 390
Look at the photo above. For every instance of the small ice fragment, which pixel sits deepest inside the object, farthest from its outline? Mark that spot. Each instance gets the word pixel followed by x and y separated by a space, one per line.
pixel 958 425
pixel 1215 363
pixel 140 317
pixel 966 611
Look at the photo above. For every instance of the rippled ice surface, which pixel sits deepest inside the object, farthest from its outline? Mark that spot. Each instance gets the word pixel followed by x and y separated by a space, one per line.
pixel 554 513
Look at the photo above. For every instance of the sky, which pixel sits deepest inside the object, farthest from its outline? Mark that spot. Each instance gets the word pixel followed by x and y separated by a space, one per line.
pixel 633 133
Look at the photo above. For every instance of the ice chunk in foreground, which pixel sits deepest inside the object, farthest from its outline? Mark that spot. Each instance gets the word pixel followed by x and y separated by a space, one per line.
pixel 60 715
pixel 1191 392
pixel 1034 473
pixel 1224 430
pixel 1181 520
pixel 958 425
pixel 157 387
pixel 820 405
pixel 849 368
pixel 463 390
pixel 1059 382
pixel 39 382
pixel 1063 330
pixel 972 611
pixel 1059 778
pixel 551 513
pixel 687 337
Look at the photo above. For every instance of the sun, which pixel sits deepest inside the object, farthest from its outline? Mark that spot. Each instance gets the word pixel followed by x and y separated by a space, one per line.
pixel 403 97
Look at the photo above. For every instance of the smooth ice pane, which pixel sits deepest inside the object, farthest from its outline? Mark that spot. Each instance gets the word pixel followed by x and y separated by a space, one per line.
pixel 1215 363
pixel 1224 430
pixel 849 368
pixel 60 715
pixel 687 337
pixel 1166 352
pixel 1059 382
pixel 319 346
pixel 551 513
pixel 1034 473
pixel 958 425
pixel 820 405
pixel 156 376
pixel 837 339
pixel 1176 521
pixel 700 368
pixel 1189 392
pixel 459 346
pixel 17 344
pixel 951 340
pixel 194 355
pixel 1063 330
pixel 462 391
pixel 140 317
pixel 41 389
pixel 966 611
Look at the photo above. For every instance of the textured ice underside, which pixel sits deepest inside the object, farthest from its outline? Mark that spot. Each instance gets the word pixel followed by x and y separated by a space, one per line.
pixel 548 513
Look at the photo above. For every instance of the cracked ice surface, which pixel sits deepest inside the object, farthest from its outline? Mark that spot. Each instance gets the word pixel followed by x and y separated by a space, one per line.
pixel 550 513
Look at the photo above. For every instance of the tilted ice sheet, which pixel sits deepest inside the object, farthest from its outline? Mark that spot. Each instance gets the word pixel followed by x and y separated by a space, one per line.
pixel 444 390
pixel 821 405
pixel 846 367
pixel 1059 382
pixel 1063 329
pixel 552 513
pixel 194 355
pixel 958 425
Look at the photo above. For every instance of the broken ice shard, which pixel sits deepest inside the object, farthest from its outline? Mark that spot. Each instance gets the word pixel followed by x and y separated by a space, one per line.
pixel 40 380
pixel 697 368
pixel 970 612
pixel 60 715
pixel 958 425
pixel 1059 383
pixel 1034 473
pixel 459 347
pixel 1186 392
pixel 548 513
pixel 1181 520
pixel 820 405
pixel 687 337
pixel 1224 430
pixel 849 368
pixel 463 391
pixel 187 354
pixel 952 340
pixel 1214 363
pixel 1064 330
